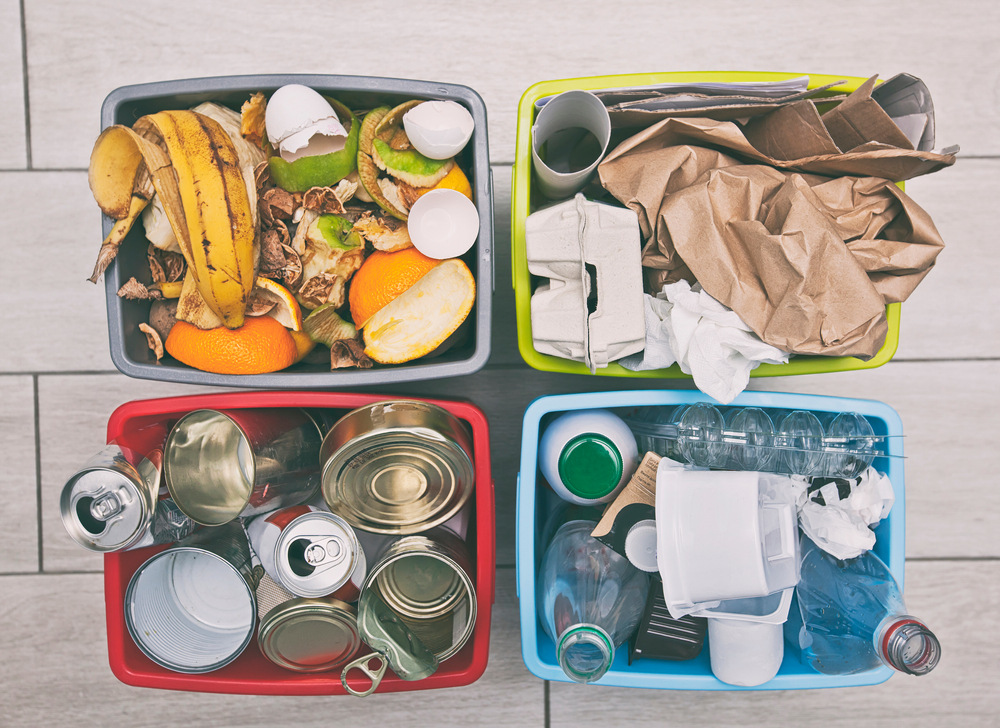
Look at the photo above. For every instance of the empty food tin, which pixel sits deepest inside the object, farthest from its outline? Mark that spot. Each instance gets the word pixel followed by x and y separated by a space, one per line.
pixel 220 465
pixel 397 467
pixel 305 635
pixel 191 608
pixel 426 581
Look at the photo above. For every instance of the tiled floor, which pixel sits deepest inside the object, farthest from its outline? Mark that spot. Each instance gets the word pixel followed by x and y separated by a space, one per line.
pixel 58 386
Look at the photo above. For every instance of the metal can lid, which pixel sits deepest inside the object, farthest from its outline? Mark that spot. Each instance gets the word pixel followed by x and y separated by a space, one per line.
pixel 310 635
pixel 401 480
pixel 316 554
pixel 104 509
pixel 421 585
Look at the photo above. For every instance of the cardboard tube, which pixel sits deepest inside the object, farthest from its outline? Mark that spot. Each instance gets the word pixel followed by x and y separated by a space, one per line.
pixel 571 113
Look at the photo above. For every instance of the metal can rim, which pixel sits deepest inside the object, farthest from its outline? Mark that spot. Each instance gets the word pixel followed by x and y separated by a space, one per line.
pixel 333 609
pixel 67 516
pixel 280 566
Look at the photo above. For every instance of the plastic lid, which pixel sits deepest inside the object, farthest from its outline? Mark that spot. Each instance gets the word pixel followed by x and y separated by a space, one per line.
pixel 590 466
pixel 640 546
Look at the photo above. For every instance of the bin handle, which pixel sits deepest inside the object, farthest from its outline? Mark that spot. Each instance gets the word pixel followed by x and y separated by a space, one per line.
pixel 364 664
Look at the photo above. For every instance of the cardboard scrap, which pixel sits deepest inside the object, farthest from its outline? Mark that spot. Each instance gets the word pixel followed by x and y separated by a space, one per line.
pixel 641 488
pixel 807 261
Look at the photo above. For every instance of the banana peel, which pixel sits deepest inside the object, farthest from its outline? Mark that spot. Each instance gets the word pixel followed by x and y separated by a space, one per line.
pixel 195 171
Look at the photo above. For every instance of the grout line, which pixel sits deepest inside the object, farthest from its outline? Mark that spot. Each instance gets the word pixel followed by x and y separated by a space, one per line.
pixel 37 170
pixel 932 559
pixel 48 573
pixel 548 710
pixel 38 474
pixel 24 77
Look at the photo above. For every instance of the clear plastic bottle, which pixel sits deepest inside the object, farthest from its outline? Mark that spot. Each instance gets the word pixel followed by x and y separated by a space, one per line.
pixel 590 599
pixel 851 618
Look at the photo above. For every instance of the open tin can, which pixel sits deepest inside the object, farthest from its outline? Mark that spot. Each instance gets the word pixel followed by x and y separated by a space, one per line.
pixel 397 467
pixel 223 464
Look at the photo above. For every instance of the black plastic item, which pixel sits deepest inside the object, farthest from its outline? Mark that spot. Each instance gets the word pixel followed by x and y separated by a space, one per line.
pixel 129 350
pixel 624 520
pixel 661 636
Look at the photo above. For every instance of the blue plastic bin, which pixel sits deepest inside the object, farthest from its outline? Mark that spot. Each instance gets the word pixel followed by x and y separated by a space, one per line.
pixel 535 501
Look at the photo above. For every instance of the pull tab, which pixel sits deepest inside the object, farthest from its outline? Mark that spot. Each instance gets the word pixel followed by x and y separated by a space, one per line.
pixel 105 507
pixel 363 664
pixel 330 551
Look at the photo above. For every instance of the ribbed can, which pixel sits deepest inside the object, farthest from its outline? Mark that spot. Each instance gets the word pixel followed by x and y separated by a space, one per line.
pixel 305 635
pixel 427 581
pixel 397 467
pixel 223 464
pixel 192 608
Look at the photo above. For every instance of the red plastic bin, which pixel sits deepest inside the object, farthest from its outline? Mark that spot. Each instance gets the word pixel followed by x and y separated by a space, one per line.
pixel 251 673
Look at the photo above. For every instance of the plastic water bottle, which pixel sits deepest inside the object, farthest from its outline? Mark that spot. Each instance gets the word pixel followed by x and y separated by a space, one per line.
pixel 590 599
pixel 851 618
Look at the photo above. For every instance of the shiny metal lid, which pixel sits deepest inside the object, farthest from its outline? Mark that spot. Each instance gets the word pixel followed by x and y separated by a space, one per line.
pixel 209 467
pixel 421 586
pixel 316 554
pixel 305 635
pixel 397 467
pixel 108 505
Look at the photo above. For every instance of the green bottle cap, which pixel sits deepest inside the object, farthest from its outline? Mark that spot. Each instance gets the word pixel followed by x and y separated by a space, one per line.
pixel 590 466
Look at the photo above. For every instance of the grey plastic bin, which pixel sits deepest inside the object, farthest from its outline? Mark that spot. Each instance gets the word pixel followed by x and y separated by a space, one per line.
pixel 129 350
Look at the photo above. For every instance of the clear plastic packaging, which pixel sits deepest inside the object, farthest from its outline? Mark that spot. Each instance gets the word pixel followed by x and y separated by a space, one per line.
pixel 834 445
pixel 590 600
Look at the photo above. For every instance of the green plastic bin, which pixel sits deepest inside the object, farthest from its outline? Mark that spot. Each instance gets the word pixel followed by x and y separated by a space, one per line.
pixel 521 206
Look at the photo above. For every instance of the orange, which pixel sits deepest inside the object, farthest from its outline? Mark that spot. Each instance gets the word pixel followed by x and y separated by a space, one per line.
pixel 287 311
pixel 454 180
pixel 259 346
pixel 382 278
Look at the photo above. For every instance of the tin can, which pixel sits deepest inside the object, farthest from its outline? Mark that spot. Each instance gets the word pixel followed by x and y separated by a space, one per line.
pixel 305 635
pixel 222 464
pixel 426 580
pixel 397 467
pixel 192 607
pixel 115 503
pixel 309 552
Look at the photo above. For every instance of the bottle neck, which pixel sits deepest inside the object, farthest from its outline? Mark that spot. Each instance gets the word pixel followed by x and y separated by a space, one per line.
pixel 904 643
pixel 585 652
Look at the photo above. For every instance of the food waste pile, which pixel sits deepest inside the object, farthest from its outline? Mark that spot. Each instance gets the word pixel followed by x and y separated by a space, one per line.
pixel 296 228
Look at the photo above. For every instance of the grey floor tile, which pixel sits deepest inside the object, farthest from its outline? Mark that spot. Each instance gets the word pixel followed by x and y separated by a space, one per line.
pixel 43 662
pixel 469 45
pixel 956 599
pixel 52 232
pixel 73 419
pixel 948 315
pixel 18 486
pixel 13 150
pixel 949 419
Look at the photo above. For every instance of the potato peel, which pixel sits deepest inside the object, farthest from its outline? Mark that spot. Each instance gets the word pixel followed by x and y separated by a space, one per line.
pixel 153 340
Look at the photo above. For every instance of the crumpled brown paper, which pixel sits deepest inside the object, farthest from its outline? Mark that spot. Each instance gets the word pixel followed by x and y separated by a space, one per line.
pixel 807 261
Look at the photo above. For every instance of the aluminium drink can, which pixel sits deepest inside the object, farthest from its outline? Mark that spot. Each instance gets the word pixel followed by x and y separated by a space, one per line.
pixel 116 501
pixel 309 552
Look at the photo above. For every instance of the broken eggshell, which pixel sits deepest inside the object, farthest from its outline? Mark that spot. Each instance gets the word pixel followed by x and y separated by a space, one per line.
pixel 438 129
pixel 301 123
pixel 443 224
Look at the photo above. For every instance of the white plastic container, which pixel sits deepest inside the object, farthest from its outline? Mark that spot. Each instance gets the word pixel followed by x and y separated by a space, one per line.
pixel 746 641
pixel 588 456
pixel 723 535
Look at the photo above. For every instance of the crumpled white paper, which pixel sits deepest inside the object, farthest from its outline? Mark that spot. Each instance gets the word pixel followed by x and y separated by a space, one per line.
pixel 842 527
pixel 710 342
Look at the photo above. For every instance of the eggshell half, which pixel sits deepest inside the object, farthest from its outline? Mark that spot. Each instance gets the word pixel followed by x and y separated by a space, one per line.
pixel 443 224
pixel 438 129
pixel 301 123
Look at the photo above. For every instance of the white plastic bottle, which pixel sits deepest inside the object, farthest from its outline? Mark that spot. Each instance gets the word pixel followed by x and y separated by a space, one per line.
pixel 587 456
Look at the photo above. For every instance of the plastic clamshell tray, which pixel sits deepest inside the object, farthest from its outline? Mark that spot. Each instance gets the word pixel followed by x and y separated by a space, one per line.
pixel 534 499
pixel 129 350
pixel 251 673
pixel 523 203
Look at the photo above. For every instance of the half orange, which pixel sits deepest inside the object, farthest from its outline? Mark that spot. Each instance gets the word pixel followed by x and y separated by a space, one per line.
pixel 382 278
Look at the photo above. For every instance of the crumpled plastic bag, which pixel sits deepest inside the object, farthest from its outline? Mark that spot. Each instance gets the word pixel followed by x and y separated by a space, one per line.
pixel 838 513
pixel 710 342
